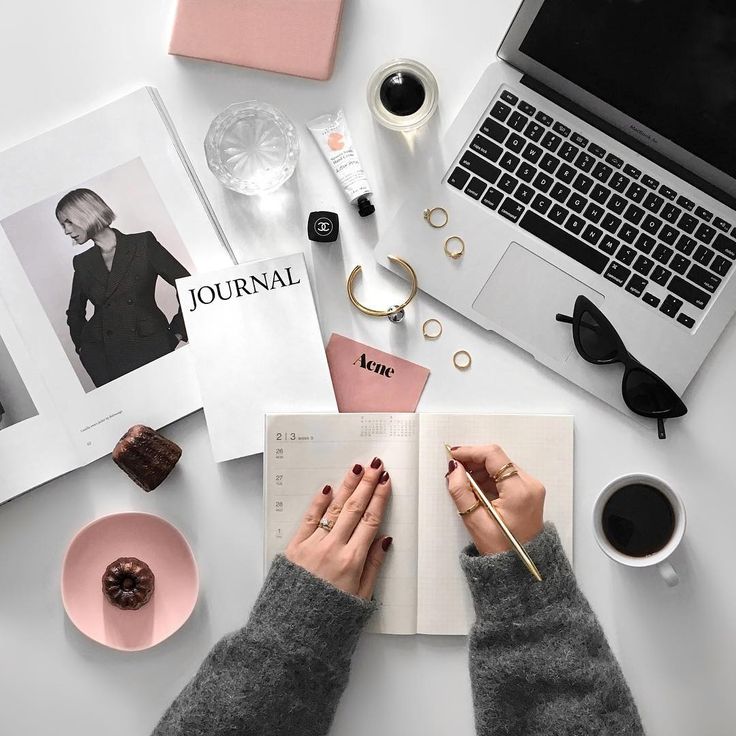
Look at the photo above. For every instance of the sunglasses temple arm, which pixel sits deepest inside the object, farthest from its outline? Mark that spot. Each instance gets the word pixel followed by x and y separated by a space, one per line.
pixel 564 318
pixel 660 429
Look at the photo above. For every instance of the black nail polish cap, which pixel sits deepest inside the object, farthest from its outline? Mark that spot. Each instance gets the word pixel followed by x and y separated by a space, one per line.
pixel 323 227
pixel 365 207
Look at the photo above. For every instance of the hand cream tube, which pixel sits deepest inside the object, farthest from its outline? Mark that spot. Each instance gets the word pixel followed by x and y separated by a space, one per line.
pixel 334 140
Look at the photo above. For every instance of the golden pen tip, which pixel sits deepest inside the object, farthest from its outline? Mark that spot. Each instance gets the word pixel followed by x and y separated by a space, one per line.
pixel 449 449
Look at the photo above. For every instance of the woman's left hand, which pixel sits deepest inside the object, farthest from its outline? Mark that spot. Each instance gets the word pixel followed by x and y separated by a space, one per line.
pixel 349 555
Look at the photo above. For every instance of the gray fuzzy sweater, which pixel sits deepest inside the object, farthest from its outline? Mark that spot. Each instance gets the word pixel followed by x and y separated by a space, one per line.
pixel 539 661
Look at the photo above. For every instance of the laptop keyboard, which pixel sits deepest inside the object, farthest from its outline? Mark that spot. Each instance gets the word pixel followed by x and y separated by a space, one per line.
pixel 620 222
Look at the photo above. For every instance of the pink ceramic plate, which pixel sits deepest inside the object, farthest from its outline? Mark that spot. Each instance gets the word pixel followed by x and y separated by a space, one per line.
pixel 152 540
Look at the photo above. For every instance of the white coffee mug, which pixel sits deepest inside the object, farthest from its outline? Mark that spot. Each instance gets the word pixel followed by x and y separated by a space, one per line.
pixel 668 573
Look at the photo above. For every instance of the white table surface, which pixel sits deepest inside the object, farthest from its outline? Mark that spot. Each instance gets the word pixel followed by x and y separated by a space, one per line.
pixel 676 646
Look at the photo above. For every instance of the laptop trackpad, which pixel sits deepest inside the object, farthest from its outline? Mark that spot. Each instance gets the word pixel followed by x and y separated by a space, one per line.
pixel 523 295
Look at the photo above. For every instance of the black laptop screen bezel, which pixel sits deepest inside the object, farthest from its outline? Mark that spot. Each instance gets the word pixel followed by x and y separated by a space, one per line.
pixel 510 51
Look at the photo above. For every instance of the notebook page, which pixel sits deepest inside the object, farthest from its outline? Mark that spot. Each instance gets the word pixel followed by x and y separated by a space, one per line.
pixel 542 445
pixel 306 451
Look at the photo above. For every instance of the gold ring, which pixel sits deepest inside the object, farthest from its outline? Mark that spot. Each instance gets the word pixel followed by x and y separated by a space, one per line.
pixel 326 524
pixel 456 360
pixel 445 218
pixel 507 471
pixel 392 312
pixel 432 335
pixel 454 253
pixel 469 510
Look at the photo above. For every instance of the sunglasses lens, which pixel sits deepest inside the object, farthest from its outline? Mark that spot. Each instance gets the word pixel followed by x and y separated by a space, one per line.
pixel 646 394
pixel 596 340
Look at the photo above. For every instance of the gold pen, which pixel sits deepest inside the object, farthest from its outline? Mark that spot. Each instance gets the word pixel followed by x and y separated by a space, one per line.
pixel 520 551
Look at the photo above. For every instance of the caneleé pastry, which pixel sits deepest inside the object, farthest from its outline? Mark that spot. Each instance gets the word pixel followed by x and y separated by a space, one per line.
pixel 146 456
pixel 128 583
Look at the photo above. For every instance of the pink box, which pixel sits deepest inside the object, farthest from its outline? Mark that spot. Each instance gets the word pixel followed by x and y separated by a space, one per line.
pixel 296 37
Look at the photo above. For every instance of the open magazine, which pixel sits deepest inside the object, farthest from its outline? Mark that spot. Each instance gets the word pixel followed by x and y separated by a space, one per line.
pixel 98 218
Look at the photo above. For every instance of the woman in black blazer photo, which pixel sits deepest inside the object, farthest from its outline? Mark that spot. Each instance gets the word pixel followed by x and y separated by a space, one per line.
pixel 118 276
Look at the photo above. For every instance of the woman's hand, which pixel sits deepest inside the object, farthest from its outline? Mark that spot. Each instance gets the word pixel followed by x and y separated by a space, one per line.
pixel 519 499
pixel 350 554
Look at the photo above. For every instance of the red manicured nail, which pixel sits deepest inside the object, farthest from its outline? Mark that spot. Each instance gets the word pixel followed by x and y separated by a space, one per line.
pixel 450 467
pixel 384 478
pixel 386 543
pixel 357 469
pixel 376 463
pixel 457 447
pixel 326 490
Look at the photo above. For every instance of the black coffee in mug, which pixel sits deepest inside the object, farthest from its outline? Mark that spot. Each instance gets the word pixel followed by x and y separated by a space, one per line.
pixel 638 520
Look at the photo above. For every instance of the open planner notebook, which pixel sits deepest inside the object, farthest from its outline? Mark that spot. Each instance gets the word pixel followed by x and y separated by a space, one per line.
pixel 422 588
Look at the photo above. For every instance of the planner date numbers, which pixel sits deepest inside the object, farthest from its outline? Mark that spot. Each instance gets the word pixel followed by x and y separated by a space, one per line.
pixel 293 437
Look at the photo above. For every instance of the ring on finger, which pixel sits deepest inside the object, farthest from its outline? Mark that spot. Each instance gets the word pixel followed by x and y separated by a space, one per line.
pixel 470 509
pixel 326 524
pixel 507 471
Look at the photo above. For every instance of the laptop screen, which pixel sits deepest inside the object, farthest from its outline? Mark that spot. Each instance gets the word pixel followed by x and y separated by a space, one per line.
pixel 670 64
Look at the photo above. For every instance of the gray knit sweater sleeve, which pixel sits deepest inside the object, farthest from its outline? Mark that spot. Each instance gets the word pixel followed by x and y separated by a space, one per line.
pixel 284 672
pixel 539 661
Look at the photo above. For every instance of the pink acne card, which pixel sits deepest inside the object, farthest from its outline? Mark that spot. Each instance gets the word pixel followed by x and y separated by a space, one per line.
pixel 367 379
pixel 296 37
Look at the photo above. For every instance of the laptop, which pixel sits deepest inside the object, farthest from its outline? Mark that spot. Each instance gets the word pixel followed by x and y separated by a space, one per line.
pixel 596 157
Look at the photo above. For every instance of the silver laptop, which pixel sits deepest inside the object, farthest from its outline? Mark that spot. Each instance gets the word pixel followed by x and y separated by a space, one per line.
pixel 596 158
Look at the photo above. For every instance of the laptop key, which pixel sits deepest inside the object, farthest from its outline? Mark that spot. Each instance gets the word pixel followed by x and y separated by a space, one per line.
pixel 680 264
pixel 582 183
pixel 543 182
pixel 685 245
pixel 532 153
pixel 549 163
pixel 651 224
pixel 585 162
pixel 526 108
pixel 668 193
pixel 703 255
pixel 476 188
pixel 645 243
pixel 643 265
pixel 671 305
pixel 551 141
pixel 687 223
pixel 560 192
pixel 492 198
pixel 601 172
pixel 526 172
pixel 509 97
pixel 662 253
pixel 653 202
pixel 617 273
pixel 703 278
pixel 568 152
pixel 651 300
pixel 609 244
pixel 633 214
pixel 636 192
pixel 563 241
pixel 507 183
pixel 600 194
pixel 619 182
pixel 628 233
pixel 661 275
pixel 721 224
pixel 685 203
pixel 500 111
pixel 683 319
pixel 494 130
pixel 592 234
pixel 593 212
pixel 480 167
pixel 615 161
pixel 596 150
pixel 563 130
pixel 670 213
pixel 575 224
pixel 690 293
pixel 511 209
pixel 649 181
pixel 626 255
pixel 524 193
pixel 632 171
pixel 517 121
pixel 636 285
pixel 611 223
pixel 703 214
pixel 617 204
pixel 668 234
pixel 543 118
pixel 558 214
pixel 541 203
pixel 515 143
pixel 579 140
pixel 725 245
pixel 705 233
pixel 509 161
pixel 720 265
pixel 534 131
pixel 458 178
pixel 577 202
pixel 566 173
pixel 486 147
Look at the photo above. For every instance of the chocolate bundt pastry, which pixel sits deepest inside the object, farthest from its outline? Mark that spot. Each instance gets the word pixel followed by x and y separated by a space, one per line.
pixel 128 583
pixel 146 456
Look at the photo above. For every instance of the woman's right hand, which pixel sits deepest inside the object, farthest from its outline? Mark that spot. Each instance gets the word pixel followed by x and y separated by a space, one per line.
pixel 519 499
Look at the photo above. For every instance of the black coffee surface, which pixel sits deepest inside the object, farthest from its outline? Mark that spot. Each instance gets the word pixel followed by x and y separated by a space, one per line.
pixel 402 93
pixel 638 520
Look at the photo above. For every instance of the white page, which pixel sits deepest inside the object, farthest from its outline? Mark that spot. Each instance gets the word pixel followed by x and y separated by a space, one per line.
pixel 125 153
pixel 258 348
pixel 305 452
pixel 542 445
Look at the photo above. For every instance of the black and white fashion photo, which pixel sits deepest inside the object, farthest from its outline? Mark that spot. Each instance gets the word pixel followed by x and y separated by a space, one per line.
pixel 16 404
pixel 103 259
